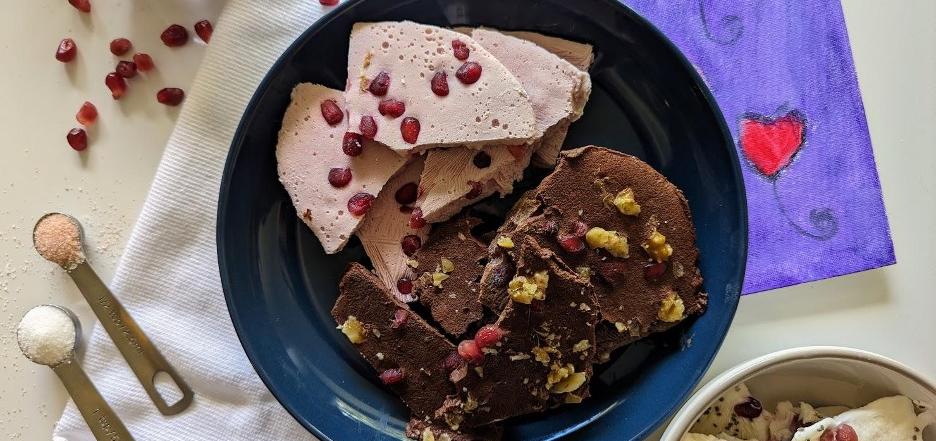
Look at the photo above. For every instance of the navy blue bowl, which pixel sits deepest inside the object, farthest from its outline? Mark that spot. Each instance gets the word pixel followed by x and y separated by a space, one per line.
pixel 647 101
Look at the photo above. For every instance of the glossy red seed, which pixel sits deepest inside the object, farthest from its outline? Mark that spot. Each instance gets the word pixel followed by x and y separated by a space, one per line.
pixel 391 376
pixel 368 127
pixel 406 194
pixel 126 69
pixel 360 203
pixel 204 29
pixel 481 160
pixel 352 144
pixel 77 139
pixel 400 316
pixel 81 5
pixel 571 244
pixel 170 96
pixel 579 229
pixel 469 351
pixel 143 61
pixel 120 46
pixel 328 2
pixel 469 72
pixel 460 49
pixel 654 271
pixel 750 408
pixel 391 107
pixel 339 177
pixel 844 432
pixel 66 50
pixel 331 112
pixel 117 85
pixel 410 244
pixel 439 83
pixel 409 128
pixel 404 285
pixel 174 36
pixel 488 336
pixel 453 361
pixel 474 191
pixel 87 114
pixel 380 84
pixel 416 220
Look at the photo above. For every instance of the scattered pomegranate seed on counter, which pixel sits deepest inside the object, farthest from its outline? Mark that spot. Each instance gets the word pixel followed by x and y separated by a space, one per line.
pixel 204 30
pixel 174 36
pixel 475 190
pixel 391 107
pixel 360 203
pixel 328 2
pixel 368 127
pixel 406 194
pixel 81 5
pixel 488 336
pixel 120 46
pixel 410 244
pixel 170 96
pixel 339 177
pixel 143 61
pixel 331 112
pixel 439 83
pixel 66 51
pixel 77 139
pixel 351 144
pixel 469 72
pixel 126 69
pixel 460 49
pixel 416 220
pixel 87 114
pixel 405 286
pixel 391 376
pixel 380 84
pixel 469 351
pixel 409 128
pixel 116 84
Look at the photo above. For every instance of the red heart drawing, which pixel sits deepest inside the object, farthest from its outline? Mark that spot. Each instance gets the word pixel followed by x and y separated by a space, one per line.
pixel 770 144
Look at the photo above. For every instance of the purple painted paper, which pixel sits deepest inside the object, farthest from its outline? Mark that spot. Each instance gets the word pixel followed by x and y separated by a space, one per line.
pixel 783 69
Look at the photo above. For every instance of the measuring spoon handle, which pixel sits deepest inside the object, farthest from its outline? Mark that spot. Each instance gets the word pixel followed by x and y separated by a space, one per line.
pixel 101 419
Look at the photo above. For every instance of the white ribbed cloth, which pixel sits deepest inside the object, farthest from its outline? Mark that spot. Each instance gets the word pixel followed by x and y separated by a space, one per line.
pixel 168 277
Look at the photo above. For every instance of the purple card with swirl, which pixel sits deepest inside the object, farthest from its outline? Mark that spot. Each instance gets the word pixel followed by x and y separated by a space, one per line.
pixel 782 73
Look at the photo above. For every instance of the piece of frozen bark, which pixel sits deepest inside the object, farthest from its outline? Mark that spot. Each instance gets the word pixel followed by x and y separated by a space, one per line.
pixel 308 148
pixel 403 57
pixel 391 337
pixel 417 429
pixel 450 265
pixel 384 228
pixel 581 55
pixel 547 350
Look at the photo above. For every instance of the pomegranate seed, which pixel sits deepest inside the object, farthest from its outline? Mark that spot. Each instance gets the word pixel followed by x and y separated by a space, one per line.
pixel 339 177
pixel 488 336
pixel 460 49
pixel 67 49
pixel 439 83
pixel 174 36
pixel 416 220
pixel 126 69
pixel 844 432
pixel 400 316
pixel 81 5
pixel 120 46
pixel 116 84
pixel 654 270
pixel 77 139
pixel 571 244
pixel 469 351
pixel 404 285
pixel 368 127
pixel 410 244
pixel 409 128
pixel 481 160
pixel 517 151
pixel 360 203
pixel 750 409
pixel 407 193
pixel 351 144
pixel 144 62
pixel 204 29
pixel 469 72
pixel 579 229
pixel 87 114
pixel 475 190
pixel 393 108
pixel 453 361
pixel 827 435
pixel 170 96
pixel 331 112
pixel 328 2
pixel 380 84
pixel 391 376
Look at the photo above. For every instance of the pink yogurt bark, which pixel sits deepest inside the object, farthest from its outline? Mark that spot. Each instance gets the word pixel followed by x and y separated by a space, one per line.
pixel 308 148
pixel 398 61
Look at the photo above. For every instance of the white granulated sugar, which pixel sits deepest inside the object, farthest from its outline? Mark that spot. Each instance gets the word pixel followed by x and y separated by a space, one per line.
pixel 46 335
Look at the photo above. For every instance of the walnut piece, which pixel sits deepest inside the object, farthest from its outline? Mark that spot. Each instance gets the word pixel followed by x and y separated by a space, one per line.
pixel 581 346
pixel 505 242
pixel 657 247
pixel 353 329
pixel 672 308
pixel 524 289
pixel 611 241
pixel 447 266
pixel 541 354
pixel 625 202
pixel 438 278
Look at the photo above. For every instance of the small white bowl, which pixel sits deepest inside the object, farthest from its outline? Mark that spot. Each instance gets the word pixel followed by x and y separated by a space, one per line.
pixel 819 375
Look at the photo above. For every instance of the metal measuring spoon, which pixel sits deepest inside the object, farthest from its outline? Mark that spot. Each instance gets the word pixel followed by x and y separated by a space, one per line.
pixel 104 423
pixel 142 356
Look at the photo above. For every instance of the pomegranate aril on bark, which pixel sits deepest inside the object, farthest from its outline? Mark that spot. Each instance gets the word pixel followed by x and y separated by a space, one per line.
pixel 469 351
pixel 391 376
pixel 416 220
pixel 481 160
pixel 469 72
pixel 66 51
pixel 400 315
pixel 380 84
pixel 475 190
pixel 117 85
pixel 351 144
pixel 360 203
pixel 120 46
pixel 409 128
pixel 339 177
pixel 170 96
pixel 143 62
pixel 845 432
pixel 331 112
pixel 204 29
pixel 126 69
pixel 452 362
pixel 410 244
pixel 571 244
pixel 368 127
pixel 81 5
pixel 750 408
pixel 439 83
pixel 654 271
pixel 391 107
pixel 174 36
pixel 460 49
pixel 87 114
pixel 77 139
pixel 488 336
pixel 579 229
pixel 406 194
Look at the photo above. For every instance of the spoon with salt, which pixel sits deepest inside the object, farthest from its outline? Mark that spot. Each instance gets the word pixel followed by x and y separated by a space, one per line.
pixel 58 238
pixel 50 335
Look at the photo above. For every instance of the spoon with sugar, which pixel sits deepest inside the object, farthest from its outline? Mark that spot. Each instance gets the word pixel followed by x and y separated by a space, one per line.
pixel 58 238
pixel 50 335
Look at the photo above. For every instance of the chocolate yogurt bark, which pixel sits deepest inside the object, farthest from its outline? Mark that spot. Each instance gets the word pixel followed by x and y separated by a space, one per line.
pixel 614 218
pixel 427 430
pixel 406 352
pixel 310 147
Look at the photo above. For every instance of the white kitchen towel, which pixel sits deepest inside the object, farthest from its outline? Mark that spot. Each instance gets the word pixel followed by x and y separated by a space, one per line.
pixel 168 277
